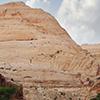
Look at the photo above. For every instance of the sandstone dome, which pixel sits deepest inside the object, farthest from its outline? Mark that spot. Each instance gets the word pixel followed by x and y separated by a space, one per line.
pixel 28 33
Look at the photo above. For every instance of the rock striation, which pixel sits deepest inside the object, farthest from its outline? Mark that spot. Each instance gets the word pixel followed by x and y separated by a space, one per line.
pixel 41 32
pixel 37 52
pixel 94 49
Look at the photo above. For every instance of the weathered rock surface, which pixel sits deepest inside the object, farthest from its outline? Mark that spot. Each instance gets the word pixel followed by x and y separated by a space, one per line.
pixel 35 32
pixel 94 49
pixel 36 52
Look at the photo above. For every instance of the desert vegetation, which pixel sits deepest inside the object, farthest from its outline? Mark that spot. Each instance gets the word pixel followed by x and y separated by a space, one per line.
pixel 97 97
pixel 7 92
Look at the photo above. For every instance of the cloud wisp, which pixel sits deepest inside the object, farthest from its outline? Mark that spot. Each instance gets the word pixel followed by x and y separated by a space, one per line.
pixel 32 2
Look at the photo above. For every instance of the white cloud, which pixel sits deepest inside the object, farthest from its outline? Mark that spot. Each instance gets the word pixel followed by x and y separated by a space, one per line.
pixel 81 18
pixel 46 1
pixel 31 2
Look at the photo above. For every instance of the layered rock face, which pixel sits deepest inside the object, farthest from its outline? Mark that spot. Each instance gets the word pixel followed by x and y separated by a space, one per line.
pixel 35 32
pixel 94 49
pixel 36 52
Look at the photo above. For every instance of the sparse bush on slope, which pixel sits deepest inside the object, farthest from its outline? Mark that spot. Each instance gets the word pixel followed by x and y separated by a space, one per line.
pixel 6 92
pixel 97 97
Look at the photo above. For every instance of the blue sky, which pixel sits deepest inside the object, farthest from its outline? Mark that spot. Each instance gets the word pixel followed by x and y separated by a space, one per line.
pixel 81 18
pixel 51 6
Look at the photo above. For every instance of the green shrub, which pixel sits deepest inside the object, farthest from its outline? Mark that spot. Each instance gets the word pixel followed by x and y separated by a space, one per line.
pixel 6 92
pixel 97 97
